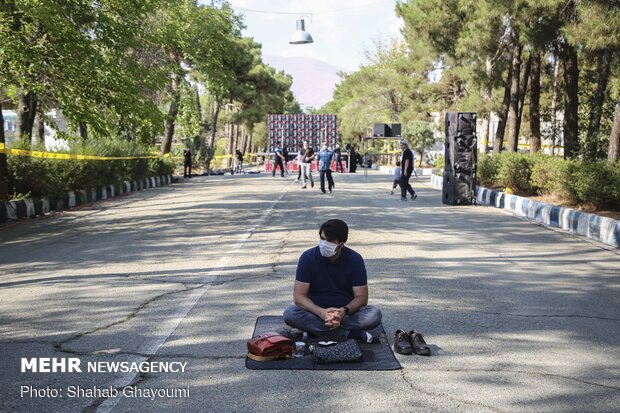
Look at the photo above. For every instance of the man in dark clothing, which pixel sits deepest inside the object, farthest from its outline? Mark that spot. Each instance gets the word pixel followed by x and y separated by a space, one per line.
pixel 187 163
pixel 331 290
pixel 306 165
pixel 352 160
pixel 407 165
pixel 239 155
pixel 285 159
pixel 277 160
pixel 338 156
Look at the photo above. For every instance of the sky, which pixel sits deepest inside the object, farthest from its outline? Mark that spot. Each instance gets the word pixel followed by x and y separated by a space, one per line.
pixel 342 29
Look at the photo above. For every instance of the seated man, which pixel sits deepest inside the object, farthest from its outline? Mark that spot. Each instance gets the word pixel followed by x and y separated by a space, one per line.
pixel 331 290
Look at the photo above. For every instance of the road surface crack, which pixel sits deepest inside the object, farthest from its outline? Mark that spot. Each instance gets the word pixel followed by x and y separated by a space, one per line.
pixel 59 344
pixel 139 379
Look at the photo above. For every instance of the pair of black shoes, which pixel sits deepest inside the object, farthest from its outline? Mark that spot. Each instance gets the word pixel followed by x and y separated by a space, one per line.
pixel 412 342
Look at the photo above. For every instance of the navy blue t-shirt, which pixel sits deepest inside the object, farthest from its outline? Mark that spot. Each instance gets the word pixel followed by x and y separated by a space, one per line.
pixel 331 283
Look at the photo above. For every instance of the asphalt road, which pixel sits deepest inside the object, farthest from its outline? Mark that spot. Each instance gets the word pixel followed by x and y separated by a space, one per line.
pixel 519 317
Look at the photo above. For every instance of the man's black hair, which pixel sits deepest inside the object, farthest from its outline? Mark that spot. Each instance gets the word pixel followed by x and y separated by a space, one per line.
pixel 335 229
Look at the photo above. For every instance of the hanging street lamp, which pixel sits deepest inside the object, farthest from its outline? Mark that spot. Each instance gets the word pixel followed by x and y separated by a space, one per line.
pixel 301 36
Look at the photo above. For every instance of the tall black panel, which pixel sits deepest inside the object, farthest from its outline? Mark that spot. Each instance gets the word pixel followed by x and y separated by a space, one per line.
pixel 459 182
pixel 4 216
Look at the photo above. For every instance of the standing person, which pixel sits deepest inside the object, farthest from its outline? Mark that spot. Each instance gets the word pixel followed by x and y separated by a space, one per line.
pixel 239 155
pixel 407 164
pixel 325 160
pixel 338 155
pixel 306 164
pixel 285 159
pixel 352 160
pixel 300 154
pixel 398 171
pixel 330 294
pixel 187 163
pixel 277 160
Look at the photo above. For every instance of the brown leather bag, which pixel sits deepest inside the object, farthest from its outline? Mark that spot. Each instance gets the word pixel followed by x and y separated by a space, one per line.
pixel 269 346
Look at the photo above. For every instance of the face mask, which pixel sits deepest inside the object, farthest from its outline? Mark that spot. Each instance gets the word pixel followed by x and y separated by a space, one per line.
pixel 327 248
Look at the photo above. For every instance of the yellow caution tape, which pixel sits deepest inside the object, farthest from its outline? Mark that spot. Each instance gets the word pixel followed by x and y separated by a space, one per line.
pixel 527 145
pixel 68 156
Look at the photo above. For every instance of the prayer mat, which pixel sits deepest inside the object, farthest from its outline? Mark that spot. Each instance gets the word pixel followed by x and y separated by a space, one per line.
pixel 376 356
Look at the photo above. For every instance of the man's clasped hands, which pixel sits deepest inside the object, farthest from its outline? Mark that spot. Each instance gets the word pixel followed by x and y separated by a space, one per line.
pixel 333 317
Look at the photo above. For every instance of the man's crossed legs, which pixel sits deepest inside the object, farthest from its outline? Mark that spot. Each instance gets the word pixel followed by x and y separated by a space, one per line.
pixel 367 318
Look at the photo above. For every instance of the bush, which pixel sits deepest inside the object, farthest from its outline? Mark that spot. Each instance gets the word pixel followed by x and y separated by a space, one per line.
pixel 596 183
pixel 440 163
pixel 515 172
pixel 551 175
pixel 53 177
pixel 580 183
pixel 488 170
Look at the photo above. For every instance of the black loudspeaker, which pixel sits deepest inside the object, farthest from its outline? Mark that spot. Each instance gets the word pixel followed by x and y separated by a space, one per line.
pixel 395 129
pixel 459 178
pixel 380 129
pixel 386 130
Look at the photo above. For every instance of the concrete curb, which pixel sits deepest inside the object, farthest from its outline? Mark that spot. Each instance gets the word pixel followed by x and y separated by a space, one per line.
pixel 31 207
pixel 598 228
pixel 437 181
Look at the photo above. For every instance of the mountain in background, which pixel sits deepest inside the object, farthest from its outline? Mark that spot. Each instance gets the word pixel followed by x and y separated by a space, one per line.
pixel 313 80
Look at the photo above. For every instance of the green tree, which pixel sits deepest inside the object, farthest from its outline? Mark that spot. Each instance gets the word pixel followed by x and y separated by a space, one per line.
pixel 78 56
pixel 467 42
pixel 221 76
pixel 392 87
pixel 250 88
pixel 421 136
pixel 187 42
pixel 189 119
pixel 595 29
